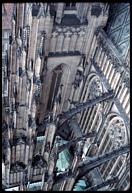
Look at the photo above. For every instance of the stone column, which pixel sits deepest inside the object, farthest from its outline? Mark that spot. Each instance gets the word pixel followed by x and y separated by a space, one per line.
pixel 13 29
pixel 30 76
pixel 72 135
pixel 70 182
pixel 62 185
pixel 18 152
pixel 108 163
pixel 53 42
pixel 127 187
pixel 59 44
pixel 79 43
pixel 13 154
pixel 48 28
pixel 104 62
pixel 78 93
pixel 7 174
pixel 86 118
pixel 98 55
pixel 73 41
pixel 89 33
pixel 123 94
pixel 128 108
pixel 28 16
pixel 13 63
pixel 114 79
pixel 33 39
pixel 86 88
pixel 85 126
pixel 126 99
pixel 115 164
pixel 22 153
pixel 106 67
pixel 101 128
pixel 93 47
pixel 37 66
pixel 111 76
pixel 66 42
pixel 95 117
pixel 23 60
pixel 49 135
pixel 87 113
pixel 59 13
pixel 101 58
pixel 92 116
pixel 117 76
pixel 100 121
pixel 24 89
pixel 21 14
pixel 26 154
pixel 103 139
pixel 82 118
pixel 118 83
pixel 120 92
pixel 71 94
pixel 109 70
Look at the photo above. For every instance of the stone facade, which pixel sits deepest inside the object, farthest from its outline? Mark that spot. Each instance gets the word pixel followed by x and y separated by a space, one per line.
pixel 62 66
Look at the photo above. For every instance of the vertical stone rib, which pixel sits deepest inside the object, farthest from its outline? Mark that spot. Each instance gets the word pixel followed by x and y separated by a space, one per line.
pixel 104 61
pixel 73 40
pixel 123 95
pixel 109 70
pixel 33 39
pixel 111 77
pixel 21 14
pixel 93 47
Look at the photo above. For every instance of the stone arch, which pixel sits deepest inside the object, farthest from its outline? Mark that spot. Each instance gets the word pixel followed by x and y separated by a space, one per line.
pixel 94 78
pixel 114 128
pixel 113 135
pixel 89 80
pixel 115 120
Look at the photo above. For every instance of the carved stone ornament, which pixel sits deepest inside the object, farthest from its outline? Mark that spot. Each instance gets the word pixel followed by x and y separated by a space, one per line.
pixel 95 85
pixel 117 134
